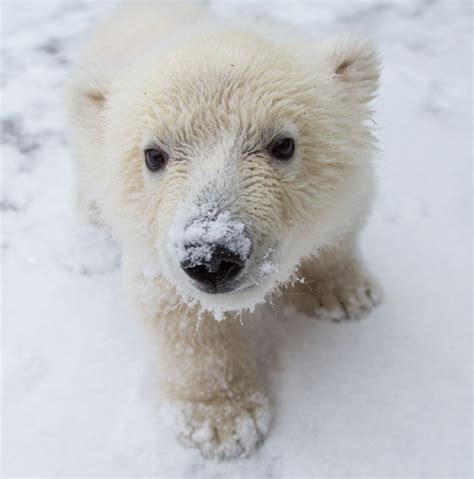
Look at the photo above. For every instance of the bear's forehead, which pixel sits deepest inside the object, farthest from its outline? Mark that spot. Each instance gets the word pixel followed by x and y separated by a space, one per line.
pixel 248 119
pixel 230 71
pixel 225 89
pixel 202 106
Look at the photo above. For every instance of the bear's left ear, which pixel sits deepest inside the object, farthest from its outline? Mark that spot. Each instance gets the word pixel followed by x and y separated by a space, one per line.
pixel 355 63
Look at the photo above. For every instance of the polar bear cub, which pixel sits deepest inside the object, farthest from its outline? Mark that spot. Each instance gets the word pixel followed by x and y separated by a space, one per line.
pixel 232 161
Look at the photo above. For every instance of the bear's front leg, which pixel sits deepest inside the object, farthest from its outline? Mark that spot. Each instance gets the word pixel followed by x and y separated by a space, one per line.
pixel 334 285
pixel 213 399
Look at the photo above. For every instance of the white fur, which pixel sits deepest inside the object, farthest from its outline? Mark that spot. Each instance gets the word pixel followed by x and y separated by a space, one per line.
pixel 214 95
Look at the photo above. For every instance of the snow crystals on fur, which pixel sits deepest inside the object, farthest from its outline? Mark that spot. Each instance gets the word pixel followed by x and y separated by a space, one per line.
pixel 192 243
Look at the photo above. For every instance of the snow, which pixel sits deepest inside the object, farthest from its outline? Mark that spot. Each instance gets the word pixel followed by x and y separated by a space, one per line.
pixel 388 396
pixel 194 243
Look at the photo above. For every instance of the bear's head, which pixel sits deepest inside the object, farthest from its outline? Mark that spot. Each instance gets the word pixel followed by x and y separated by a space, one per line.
pixel 230 159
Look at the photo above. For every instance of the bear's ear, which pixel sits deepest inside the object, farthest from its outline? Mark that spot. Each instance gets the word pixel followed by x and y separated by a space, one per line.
pixel 87 91
pixel 95 93
pixel 355 63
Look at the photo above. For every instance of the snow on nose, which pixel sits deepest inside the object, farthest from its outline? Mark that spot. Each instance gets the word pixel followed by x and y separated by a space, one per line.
pixel 196 242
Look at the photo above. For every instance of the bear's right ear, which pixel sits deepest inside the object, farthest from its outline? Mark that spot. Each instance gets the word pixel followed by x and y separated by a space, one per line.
pixel 87 94
pixel 95 93
pixel 354 63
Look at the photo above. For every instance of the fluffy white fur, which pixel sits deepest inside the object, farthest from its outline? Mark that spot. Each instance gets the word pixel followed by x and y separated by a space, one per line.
pixel 214 95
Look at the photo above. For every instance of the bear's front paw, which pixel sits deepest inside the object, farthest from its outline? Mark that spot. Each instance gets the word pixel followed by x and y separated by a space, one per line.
pixel 346 298
pixel 221 429
pixel 347 301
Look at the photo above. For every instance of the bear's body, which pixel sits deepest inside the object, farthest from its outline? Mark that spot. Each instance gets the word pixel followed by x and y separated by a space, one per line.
pixel 230 163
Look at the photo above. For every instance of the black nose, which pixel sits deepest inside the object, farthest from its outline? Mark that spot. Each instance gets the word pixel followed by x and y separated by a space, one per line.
pixel 213 273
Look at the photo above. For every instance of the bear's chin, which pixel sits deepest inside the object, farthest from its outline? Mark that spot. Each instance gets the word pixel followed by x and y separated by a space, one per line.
pixel 244 298
pixel 241 296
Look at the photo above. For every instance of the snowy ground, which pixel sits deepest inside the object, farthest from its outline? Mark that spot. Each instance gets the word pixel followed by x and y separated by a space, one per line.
pixel 389 396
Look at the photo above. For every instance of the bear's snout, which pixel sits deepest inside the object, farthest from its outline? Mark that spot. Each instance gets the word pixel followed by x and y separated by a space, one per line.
pixel 214 270
pixel 212 249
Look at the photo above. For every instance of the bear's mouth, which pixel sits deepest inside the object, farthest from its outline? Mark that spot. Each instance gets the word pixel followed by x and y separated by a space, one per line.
pixel 244 291
pixel 239 277
pixel 211 288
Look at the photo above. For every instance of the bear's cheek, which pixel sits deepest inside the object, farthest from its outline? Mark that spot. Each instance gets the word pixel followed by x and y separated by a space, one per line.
pixel 163 198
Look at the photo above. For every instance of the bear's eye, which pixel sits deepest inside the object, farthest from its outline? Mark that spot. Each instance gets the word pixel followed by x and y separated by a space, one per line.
pixel 155 159
pixel 282 148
